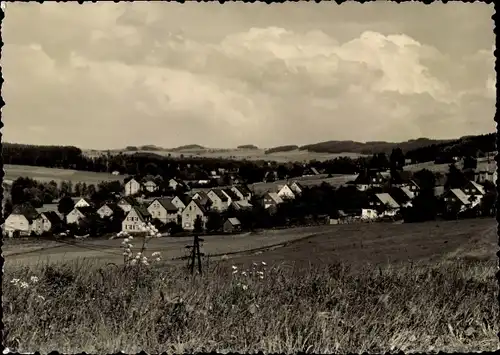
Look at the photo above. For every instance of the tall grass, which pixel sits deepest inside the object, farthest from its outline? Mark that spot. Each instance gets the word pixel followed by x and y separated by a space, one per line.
pixel 76 307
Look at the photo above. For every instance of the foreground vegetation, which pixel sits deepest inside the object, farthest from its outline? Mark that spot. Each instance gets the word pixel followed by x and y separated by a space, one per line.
pixel 76 307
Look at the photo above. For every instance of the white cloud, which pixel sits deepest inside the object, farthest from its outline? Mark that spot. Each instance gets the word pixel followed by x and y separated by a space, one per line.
pixel 266 85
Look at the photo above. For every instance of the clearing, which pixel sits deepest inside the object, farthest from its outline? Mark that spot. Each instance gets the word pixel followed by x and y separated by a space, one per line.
pixel 12 172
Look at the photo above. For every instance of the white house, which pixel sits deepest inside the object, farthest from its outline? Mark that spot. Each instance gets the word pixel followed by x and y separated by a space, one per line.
pixel 126 204
pixel 381 205
pixel 107 210
pixel 163 210
pixel 132 187
pixel 296 188
pixel 20 221
pixel 75 216
pixel 191 212
pixel 134 219
pixel 286 192
pixel 177 202
pixel 220 200
pixel 45 222
pixel 242 192
pixel 150 186
pixel 172 183
pixel 80 202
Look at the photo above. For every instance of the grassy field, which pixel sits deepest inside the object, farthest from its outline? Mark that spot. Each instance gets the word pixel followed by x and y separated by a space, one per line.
pixel 443 168
pixel 249 154
pixel 12 172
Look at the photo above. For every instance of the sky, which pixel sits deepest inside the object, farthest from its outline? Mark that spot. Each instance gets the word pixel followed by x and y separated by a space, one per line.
pixel 110 75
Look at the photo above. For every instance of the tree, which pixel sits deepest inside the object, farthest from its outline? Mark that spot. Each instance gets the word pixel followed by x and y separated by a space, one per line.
pixel 214 222
pixel 426 179
pixel 397 159
pixel 455 179
pixel 7 208
pixel 65 205
pixel 198 225
pixel 470 163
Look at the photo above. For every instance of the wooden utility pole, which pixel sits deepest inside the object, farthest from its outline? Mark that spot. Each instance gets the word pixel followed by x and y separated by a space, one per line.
pixel 195 254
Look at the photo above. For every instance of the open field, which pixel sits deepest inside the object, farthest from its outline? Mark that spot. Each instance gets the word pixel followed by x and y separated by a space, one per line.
pixel 12 172
pixel 355 244
pixel 248 154
pixel 76 307
pixel 482 164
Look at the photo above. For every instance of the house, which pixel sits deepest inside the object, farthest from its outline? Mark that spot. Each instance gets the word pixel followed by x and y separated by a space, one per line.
pixel 297 188
pixel 115 172
pixel 46 222
pixel 150 186
pixel 231 225
pixel 349 216
pixel 380 205
pixel 50 207
pixel 474 192
pixel 220 201
pixel 403 196
pixel 172 183
pixel 456 199
pixel 80 214
pixel 242 205
pixel 163 210
pixel 126 203
pixel 134 219
pixel 20 221
pixel 132 187
pixel 271 199
pixel 368 179
pixel 242 192
pixel 189 214
pixel 177 202
pixel 81 202
pixel 230 195
pixel 108 210
pixel 285 192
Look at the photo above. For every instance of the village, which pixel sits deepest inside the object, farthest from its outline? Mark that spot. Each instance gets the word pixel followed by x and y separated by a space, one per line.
pixel 175 206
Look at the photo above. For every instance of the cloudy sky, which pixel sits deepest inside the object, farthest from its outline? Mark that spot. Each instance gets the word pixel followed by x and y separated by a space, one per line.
pixel 109 75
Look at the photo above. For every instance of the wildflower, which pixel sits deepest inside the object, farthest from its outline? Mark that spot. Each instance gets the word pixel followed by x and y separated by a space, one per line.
pixel 234 267
pixel 224 257
pixel 130 246
pixel 133 262
pixel 263 263
pixel 244 273
pixel 24 284
pixel 34 279
pixel 40 297
pixel 158 259
pixel 244 287
pixel 15 281
pixel 156 253
pixel 130 238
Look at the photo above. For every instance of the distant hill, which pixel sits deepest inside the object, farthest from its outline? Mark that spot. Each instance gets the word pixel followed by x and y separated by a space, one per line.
pixel 336 147
pixel 248 146
pixel 282 148
pixel 150 148
pixel 187 147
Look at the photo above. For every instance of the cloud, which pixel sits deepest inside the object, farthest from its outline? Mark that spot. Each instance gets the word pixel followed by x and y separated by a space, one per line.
pixel 123 75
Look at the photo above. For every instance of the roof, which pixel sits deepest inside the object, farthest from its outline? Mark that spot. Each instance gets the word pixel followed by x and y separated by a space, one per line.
pixel 387 199
pixel 48 208
pixel 234 221
pixel 462 197
pixel 231 194
pixel 243 190
pixel 315 171
pixel 52 216
pixel 275 197
pixel 130 200
pixel 220 194
pixel 407 192
pixel 166 203
pixel 200 206
pixel 141 211
pixel 478 186
pixel 25 209
pixel 243 203
pixel 76 199
pixel 301 187
pixel 113 206
pixel 87 210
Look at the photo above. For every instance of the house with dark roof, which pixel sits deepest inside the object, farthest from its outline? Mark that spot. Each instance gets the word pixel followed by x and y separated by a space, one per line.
pixel 193 210
pixel 126 203
pixel 456 200
pixel 134 219
pixel 242 191
pixel 163 210
pixel 109 209
pixel 231 225
pixel 231 195
pixel 20 221
pixel 380 205
pixel 220 201
pixel 132 187
pixel 46 222
pixel 81 214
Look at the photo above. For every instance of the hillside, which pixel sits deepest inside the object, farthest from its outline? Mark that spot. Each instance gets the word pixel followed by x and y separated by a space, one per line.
pixel 248 146
pixel 282 148
pixel 187 147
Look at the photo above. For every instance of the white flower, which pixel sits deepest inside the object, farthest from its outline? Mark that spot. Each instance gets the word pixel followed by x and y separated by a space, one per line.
pixel 158 259
pixel 244 287
pixel 235 272
pixel 40 297
pixel 261 277
pixel 129 246
pixel 156 253
pixel 24 285
pixel 244 273
pixel 130 238
pixel 234 267
pixel 158 235
pixel 133 262
pixel 15 281
pixel 263 263
pixel 34 279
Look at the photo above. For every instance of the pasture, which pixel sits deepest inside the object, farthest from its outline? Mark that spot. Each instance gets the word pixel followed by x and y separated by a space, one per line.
pixel 12 172
pixel 322 294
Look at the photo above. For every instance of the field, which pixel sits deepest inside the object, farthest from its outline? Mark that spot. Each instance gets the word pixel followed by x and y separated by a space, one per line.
pixel 482 164
pixel 331 300
pixel 248 154
pixel 12 172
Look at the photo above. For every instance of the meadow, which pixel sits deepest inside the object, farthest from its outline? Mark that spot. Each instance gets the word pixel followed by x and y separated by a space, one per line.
pixel 12 172
pixel 423 287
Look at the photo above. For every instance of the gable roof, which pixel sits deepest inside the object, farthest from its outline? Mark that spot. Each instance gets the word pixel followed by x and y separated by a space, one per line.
pixel 407 192
pixel 234 221
pixel 462 197
pixel 200 206
pixel 245 191
pixel 87 210
pixel 231 194
pixel 166 203
pixel 387 199
pixel 130 200
pixel 113 206
pixel 479 187
pixel 52 217
pixel 25 209
pixel 220 194
pixel 298 184
pixel 141 211
pixel 274 196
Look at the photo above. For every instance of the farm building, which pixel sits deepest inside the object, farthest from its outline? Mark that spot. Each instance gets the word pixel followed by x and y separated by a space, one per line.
pixel 231 225
pixel 380 205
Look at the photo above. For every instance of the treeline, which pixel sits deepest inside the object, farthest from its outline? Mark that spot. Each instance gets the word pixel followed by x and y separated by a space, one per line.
pixel 283 148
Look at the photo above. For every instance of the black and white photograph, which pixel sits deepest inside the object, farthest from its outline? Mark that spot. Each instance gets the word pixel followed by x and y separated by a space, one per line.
pixel 241 177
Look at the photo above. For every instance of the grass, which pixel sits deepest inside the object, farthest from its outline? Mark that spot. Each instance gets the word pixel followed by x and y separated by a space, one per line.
pixel 75 307
pixel 13 172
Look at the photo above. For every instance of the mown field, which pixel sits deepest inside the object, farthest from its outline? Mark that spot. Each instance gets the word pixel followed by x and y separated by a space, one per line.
pixel 13 172
pixel 317 295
